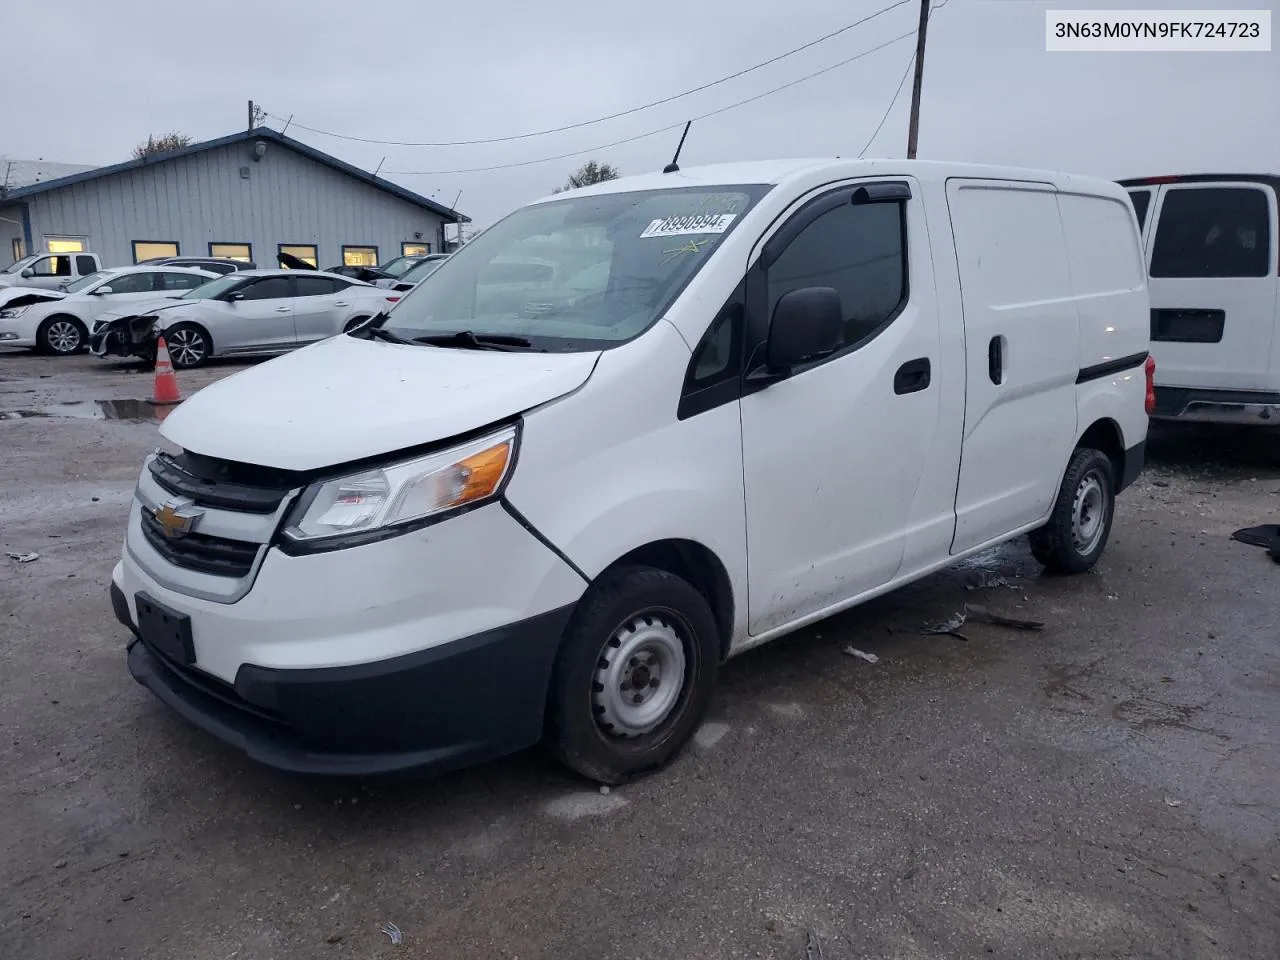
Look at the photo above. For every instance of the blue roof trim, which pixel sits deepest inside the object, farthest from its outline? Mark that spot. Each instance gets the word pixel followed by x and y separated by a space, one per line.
pixel 258 133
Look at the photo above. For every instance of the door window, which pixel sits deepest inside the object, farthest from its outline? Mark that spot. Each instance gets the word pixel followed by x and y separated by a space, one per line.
pixel 85 265
pixel 1213 232
pixel 268 288
pixel 132 282
pixel 316 286
pixel 181 281
pixel 1141 200
pixel 52 267
pixel 860 251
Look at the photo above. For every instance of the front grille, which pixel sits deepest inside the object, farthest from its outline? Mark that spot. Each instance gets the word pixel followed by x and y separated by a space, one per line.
pixel 221 483
pixel 195 551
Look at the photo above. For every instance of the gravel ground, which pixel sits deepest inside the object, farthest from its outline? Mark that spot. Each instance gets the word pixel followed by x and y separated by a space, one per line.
pixel 1109 787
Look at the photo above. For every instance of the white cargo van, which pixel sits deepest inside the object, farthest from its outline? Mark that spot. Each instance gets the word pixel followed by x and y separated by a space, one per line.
pixel 470 526
pixel 1211 251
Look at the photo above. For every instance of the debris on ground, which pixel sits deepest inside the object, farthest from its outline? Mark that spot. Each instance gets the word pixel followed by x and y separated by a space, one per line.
pixel 973 613
pixel 392 931
pixel 1266 535
pixel 812 947
pixel 990 581
pixel 1170 802
pixel 24 557
pixel 333 938
pixel 861 655
pixel 977 614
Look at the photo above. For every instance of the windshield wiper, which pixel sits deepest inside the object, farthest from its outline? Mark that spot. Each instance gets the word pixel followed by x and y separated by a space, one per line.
pixel 470 340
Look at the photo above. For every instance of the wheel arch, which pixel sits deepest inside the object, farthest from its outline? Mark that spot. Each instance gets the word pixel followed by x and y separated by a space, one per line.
pixel 53 318
pixel 697 565
pixel 1105 435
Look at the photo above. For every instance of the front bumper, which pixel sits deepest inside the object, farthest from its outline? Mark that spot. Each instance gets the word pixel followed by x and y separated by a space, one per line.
pixel 1242 407
pixel 449 706
pixel 431 649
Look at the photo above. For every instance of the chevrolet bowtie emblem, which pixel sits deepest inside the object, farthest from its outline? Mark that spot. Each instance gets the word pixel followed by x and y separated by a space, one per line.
pixel 177 518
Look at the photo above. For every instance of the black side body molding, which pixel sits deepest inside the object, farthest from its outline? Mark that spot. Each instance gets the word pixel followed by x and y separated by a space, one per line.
pixel 1099 370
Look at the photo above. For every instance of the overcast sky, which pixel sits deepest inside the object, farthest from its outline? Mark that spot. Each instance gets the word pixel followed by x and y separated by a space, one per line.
pixel 400 70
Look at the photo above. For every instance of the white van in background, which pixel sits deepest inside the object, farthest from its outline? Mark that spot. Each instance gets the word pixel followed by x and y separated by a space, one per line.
pixel 1212 252
pixel 471 525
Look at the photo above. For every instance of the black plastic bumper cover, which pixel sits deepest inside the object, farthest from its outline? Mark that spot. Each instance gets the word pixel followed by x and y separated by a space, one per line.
pixel 454 705
pixel 1135 459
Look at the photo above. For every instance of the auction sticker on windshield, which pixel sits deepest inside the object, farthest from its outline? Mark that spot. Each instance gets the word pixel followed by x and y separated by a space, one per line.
pixel 687 225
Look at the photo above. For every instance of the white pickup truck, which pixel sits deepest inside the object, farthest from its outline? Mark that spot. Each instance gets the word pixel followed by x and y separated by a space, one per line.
pixel 40 276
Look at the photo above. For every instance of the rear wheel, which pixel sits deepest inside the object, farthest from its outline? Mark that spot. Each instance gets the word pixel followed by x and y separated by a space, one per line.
pixel 634 676
pixel 353 323
pixel 189 346
pixel 1077 531
pixel 61 335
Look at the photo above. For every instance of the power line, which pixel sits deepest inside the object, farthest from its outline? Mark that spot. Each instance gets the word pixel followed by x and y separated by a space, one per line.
pixel 612 116
pixel 889 109
pixel 654 133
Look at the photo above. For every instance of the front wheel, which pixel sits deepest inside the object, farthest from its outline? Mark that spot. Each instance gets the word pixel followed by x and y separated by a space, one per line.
pixel 634 676
pixel 1078 528
pixel 61 336
pixel 188 345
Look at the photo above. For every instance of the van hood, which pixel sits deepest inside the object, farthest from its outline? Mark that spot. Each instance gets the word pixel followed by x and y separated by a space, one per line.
pixel 345 398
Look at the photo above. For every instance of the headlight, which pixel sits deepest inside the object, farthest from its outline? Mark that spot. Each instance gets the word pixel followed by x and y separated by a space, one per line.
pixel 405 493
pixel 13 313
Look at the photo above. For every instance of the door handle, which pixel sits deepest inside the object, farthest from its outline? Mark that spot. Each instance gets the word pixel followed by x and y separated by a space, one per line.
pixel 341 303
pixel 283 309
pixel 995 360
pixel 913 376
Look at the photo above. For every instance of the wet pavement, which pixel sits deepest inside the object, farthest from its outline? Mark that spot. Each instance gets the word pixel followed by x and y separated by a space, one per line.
pixel 1108 786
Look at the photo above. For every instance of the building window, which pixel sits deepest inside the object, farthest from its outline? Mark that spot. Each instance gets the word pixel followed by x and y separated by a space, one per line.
pixel 414 249
pixel 305 252
pixel 64 244
pixel 18 248
pixel 232 251
pixel 359 256
pixel 144 250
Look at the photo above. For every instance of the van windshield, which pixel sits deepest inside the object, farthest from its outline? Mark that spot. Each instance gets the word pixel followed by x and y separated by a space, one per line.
pixel 582 273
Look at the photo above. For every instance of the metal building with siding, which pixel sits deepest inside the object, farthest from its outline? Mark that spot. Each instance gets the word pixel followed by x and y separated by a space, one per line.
pixel 246 196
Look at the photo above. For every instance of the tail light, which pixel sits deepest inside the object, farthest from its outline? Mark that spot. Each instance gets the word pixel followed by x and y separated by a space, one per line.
pixel 393 299
pixel 1151 384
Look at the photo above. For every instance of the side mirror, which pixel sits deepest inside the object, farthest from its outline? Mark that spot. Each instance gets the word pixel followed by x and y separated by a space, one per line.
pixel 28 272
pixel 101 291
pixel 234 297
pixel 805 325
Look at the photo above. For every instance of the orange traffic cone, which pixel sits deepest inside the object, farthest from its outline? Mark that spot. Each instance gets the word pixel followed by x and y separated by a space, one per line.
pixel 166 388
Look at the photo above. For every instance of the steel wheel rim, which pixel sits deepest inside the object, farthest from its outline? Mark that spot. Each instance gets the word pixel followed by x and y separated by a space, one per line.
pixel 639 676
pixel 63 336
pixel 186 348
pixel 1088 513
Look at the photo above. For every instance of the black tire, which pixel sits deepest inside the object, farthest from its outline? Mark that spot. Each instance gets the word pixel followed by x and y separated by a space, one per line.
pixel 353 323
pixel 189 345
pixel 1072 542
pixel 61 335
pixel 630 605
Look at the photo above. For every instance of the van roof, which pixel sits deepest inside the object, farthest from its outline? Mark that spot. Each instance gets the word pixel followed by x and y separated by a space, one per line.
pixel 779 171
pixel 1268 178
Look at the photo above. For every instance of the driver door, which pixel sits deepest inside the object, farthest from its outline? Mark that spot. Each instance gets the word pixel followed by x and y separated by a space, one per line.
pixel 261 319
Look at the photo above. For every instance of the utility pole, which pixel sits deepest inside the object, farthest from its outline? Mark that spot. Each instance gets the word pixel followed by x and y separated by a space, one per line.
pixel 250 127
pixel 913 135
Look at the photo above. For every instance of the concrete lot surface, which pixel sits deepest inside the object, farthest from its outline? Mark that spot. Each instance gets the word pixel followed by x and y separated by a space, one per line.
pixel 1106 788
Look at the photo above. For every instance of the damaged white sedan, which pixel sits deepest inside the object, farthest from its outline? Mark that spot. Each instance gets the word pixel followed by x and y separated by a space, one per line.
pixel 243 313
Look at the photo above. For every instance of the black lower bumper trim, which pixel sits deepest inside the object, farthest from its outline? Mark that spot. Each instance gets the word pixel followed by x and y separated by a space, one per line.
pixel 1135 458
pixel 120 607
pixel 451 706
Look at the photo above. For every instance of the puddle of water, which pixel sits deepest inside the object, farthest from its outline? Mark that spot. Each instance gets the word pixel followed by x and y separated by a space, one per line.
pixel 93 410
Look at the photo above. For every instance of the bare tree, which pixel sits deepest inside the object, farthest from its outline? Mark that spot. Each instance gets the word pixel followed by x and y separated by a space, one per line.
pixel 154 145
pixel 587 174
